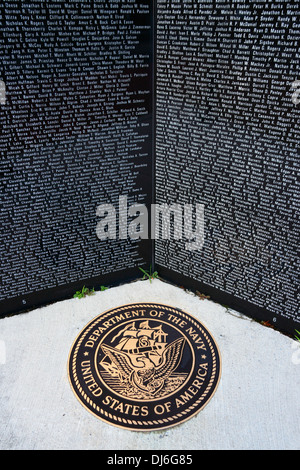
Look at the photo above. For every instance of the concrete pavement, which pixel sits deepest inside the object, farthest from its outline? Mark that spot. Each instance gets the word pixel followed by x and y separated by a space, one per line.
pixel 256 406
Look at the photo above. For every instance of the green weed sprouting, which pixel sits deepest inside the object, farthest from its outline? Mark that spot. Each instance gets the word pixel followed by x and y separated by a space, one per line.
pixel 84 292
pixel 149 274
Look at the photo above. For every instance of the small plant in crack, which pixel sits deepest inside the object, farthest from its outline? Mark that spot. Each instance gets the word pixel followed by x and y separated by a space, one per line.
pixel 84 292
pixel 149 274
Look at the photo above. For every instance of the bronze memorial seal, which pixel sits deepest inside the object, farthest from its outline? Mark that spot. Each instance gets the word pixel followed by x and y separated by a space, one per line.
pixel 144 367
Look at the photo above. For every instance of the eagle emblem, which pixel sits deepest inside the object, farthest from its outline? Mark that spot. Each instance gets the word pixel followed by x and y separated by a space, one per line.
pixel 143 365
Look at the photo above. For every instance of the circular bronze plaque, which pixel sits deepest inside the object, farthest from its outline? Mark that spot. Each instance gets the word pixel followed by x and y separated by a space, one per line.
pixel 144 366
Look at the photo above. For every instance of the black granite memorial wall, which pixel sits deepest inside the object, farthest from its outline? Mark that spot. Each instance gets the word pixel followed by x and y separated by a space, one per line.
pixel 177 102
pixel 76 132
pixel 228 138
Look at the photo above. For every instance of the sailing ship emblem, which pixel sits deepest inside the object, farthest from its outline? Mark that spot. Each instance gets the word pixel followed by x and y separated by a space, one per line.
pixel 142 364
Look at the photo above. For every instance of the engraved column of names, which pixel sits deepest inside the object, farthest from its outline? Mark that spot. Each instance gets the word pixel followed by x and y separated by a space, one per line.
pixel 75 133
pixel 227 137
